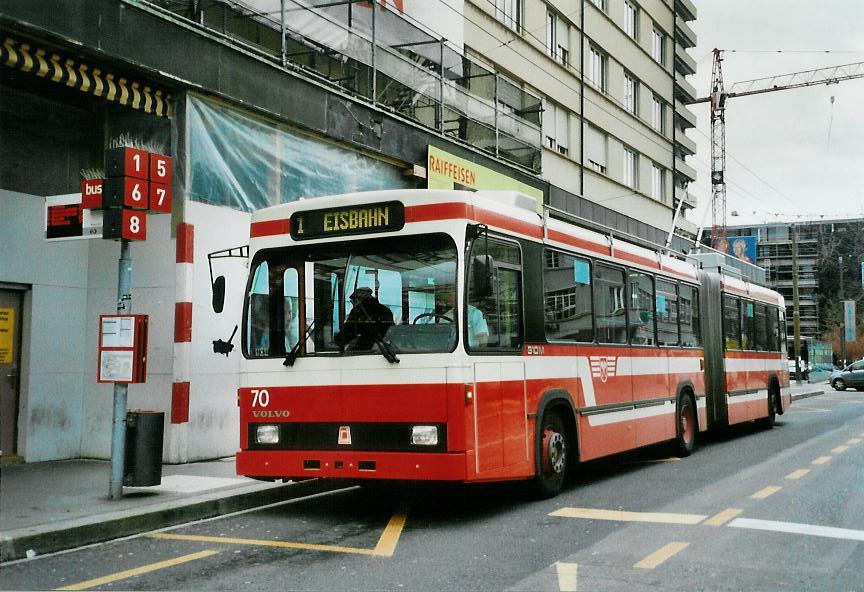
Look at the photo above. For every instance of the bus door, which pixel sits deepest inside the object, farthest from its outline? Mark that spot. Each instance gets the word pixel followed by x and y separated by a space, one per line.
pixel 492 328
pixel 500 415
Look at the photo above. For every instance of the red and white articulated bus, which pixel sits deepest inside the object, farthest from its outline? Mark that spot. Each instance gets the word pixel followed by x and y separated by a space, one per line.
pixel 456 336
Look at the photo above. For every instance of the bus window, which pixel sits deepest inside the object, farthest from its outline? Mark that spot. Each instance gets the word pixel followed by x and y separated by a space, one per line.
pixel 760 322
pixel 773 330
pixel 567 295
pixel 258 313
pixel 609 304
pixel 292 311
pixel 784 345
pixel 499 313
pixel 667 313
pixel 641 317
pixel 689 314
pixel 732 322
pixel 748 327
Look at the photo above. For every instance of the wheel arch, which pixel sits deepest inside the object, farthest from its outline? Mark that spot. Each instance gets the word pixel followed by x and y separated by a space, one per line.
pixel 774 391
pixel 685 387
pixel 558 400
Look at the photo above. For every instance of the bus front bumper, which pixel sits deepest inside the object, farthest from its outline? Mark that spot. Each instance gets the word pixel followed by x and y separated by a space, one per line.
pixel 305 464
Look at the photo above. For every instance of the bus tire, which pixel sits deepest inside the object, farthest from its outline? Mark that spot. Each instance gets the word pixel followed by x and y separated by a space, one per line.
pixel 773 404
pixel 686 425
pixel 553 451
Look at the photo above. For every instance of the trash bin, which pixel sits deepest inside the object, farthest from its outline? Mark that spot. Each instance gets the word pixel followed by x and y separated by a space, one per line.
pixel 143 459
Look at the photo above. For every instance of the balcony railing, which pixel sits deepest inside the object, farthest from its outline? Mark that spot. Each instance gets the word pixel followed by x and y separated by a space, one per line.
pixel 380 57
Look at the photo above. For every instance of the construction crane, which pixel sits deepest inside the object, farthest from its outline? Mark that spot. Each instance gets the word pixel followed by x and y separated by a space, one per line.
pixel 718 98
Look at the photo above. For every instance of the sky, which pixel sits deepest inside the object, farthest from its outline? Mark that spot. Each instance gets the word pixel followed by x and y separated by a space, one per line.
pixel 792 154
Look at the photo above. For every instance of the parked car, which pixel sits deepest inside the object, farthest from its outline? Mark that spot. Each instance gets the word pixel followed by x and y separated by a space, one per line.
pixel 805 370
pixel 850 376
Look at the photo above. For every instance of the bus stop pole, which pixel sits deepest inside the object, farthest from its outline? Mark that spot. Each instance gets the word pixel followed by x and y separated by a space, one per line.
pixel 118 427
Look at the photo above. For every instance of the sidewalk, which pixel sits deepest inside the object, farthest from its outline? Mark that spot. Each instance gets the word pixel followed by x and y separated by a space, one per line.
pixel 51 506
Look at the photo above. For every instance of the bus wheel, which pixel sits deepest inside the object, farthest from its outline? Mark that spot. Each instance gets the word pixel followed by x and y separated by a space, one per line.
pixel 768 422
pixel 686 426
pixel 553 456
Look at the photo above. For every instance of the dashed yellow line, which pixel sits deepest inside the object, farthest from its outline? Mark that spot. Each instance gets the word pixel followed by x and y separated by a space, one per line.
pixel 621 516
pixel 797 474
pixel 661 555
pixel 122 575
pixel 853 441
pixel 763 493
pixel 723 517
pixel 840 449
pixel 566 576
pixel 821 460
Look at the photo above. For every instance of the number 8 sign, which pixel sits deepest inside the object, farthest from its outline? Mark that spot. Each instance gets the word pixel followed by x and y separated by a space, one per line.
pixel 128 224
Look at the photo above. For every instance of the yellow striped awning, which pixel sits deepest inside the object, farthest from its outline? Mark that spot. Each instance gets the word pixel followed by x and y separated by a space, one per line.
pixel 49 65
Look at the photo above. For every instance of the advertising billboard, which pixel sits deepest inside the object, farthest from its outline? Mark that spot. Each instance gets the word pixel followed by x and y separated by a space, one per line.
pixel 743 248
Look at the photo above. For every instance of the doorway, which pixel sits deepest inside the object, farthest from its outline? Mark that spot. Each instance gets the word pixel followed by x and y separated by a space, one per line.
pixel 11 308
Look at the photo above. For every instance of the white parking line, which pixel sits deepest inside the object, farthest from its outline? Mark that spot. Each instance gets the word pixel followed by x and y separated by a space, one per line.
pixel 795 528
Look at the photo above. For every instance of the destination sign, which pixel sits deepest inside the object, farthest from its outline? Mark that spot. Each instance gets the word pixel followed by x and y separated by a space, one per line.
pixel 347 220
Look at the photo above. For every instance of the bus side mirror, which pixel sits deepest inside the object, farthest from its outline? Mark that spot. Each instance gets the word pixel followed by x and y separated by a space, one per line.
pixel 219 294
pixel 481 276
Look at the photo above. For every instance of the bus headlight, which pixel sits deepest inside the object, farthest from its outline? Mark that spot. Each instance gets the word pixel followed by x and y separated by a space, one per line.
pixel 424 435
pixel 267 434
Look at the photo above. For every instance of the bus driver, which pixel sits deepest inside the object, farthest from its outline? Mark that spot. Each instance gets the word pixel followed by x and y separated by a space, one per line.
pixel 367 322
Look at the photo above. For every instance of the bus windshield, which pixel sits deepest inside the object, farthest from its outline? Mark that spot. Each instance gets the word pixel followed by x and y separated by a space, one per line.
pixel 352 297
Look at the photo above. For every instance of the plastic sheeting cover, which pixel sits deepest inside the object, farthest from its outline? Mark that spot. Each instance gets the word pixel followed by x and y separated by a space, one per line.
pixel 246 164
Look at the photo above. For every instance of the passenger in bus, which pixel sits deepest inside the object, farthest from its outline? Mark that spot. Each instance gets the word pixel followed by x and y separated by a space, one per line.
pixel 367 322
pixel 478 329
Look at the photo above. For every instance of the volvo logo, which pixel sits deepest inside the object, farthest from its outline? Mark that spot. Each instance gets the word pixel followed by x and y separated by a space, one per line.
pixel 270 413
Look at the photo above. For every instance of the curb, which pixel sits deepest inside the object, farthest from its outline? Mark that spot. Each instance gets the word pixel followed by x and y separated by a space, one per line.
pixel 46 539
pixel 808 394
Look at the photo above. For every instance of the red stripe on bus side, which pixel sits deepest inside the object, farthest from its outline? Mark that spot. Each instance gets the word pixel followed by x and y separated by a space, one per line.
pixel 270 228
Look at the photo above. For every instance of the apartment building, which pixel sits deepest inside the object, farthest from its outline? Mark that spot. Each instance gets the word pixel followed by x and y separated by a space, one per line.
pixel 612 74
pixel 578 103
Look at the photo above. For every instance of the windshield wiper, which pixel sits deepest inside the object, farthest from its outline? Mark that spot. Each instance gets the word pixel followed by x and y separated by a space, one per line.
pixel 295 351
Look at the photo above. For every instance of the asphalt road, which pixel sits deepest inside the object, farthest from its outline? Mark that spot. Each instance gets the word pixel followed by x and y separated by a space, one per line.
pixel 781 509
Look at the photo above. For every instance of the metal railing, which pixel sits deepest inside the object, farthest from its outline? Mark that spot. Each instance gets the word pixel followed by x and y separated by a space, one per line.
pixel 381 57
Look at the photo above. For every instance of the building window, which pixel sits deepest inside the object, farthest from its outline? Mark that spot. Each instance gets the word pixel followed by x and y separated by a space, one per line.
pixel 631 19
pixel 595 149
pixel 557 38
pixel 597 69
pixel 631 93
pixel 601 4
pixel 658 183
pixel 658 47
pixel 658 115
pixel 556 127
pixel 631 168
pixel 509 12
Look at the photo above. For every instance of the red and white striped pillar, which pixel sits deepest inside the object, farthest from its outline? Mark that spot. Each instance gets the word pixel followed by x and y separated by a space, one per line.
pixel 183 324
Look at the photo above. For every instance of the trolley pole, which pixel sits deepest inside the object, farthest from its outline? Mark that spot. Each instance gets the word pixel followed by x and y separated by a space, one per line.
pixel 118 428
pixel 796 316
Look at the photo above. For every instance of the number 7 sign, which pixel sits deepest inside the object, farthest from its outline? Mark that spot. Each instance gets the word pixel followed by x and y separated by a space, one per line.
pixel 160 198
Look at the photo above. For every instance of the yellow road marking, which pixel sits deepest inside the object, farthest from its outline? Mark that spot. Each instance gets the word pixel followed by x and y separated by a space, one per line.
pixel 390 537
pixel 840 449
pixel 385 548
pixel 723 517
pixel 566 576
pixel 122 575
pixel 763 493
pixel 821 460
pixel 654 460
pixel 853 441
pixel 661 555
pixel 593 514
pixel 797 474
pixel 261 543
